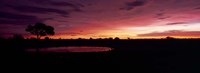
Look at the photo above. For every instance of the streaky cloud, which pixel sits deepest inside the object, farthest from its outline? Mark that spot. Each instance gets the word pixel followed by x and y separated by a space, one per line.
pixel 9 15
pixel 76 6
pixel 17 19
pixel 171 33
pixel 34 9
pixel 132 5
pixel 176 23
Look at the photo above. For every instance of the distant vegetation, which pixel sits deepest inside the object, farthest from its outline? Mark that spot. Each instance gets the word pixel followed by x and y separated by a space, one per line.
pixel 18 37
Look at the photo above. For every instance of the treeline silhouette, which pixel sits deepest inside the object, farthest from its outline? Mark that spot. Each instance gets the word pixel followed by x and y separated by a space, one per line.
pixel 19 42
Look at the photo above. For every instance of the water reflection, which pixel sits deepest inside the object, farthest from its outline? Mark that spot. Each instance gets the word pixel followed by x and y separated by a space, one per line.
pixel 71 49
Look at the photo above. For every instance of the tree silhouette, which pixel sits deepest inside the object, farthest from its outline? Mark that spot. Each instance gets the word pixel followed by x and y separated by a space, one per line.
pixel 40 29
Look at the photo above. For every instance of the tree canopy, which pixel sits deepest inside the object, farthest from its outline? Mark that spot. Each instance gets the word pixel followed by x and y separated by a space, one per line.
pixel 40 29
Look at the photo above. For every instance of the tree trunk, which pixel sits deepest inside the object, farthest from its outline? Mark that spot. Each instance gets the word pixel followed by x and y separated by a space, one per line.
pixel 38 37
pixel 37 49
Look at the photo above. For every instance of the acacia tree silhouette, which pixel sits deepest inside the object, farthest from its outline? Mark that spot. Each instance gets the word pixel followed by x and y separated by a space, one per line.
pixel 40 29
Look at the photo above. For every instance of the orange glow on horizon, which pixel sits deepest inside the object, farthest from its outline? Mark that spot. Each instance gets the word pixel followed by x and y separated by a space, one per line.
pixel 133 37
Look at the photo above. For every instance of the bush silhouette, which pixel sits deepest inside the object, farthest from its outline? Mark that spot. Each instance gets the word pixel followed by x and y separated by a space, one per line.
pixel 46 38
pixel 18 37
pixel 169 37
pixel 40 29
pixel 117 38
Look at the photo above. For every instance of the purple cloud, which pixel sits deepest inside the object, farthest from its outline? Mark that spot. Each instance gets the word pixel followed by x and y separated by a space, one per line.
pixel 161 16
pixel 15 18
pixel 132 5
pixel 33 9
pixel 75 6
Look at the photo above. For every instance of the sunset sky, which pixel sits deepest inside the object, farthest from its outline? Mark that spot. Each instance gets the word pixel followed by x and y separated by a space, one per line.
pixel 103 18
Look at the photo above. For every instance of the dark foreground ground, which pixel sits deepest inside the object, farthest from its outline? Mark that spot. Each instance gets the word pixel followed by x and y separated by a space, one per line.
pixel 137 56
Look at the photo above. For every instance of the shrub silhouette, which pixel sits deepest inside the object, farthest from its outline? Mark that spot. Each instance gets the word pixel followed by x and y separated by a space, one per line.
pixel 169 37
pixel 46 38
pixel 117 38
pixel 18 37
pixel 40 29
